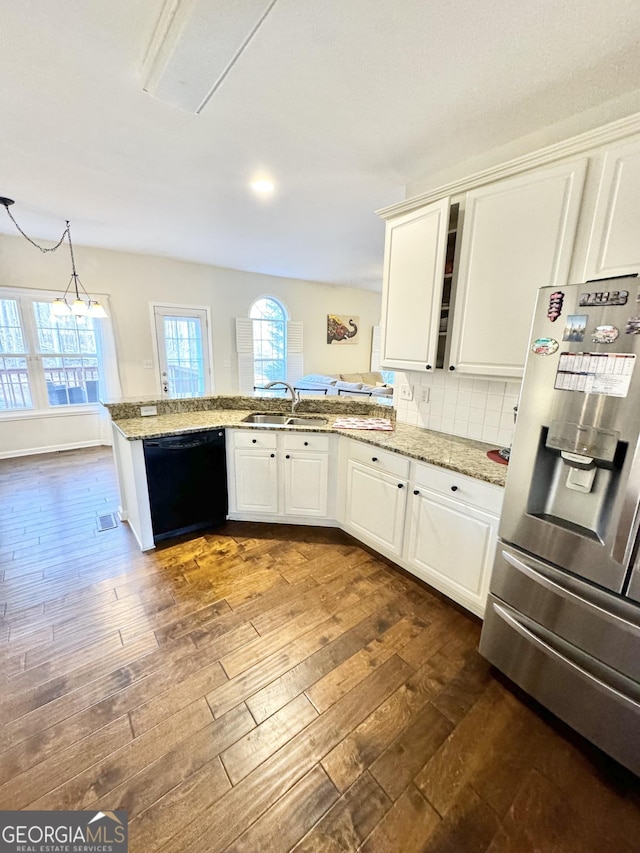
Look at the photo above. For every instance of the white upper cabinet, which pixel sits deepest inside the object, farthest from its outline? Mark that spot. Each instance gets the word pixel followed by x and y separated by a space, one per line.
pixel 415 253
pixel 614 244
pixel 518 235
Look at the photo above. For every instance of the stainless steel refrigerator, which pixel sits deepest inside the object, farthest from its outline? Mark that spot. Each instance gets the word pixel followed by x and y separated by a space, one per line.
pixel 563 615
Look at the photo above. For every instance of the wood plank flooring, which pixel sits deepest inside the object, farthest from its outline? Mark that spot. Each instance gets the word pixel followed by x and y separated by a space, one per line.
pixel 266 688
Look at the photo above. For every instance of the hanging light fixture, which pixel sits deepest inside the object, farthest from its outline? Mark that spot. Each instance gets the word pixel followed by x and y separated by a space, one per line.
pixel 82 306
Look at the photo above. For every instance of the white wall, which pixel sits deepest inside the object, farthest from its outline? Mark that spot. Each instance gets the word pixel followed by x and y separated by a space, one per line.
pixel 133 281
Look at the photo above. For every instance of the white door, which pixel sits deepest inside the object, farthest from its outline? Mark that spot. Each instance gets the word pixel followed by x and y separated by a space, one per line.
pixel 182 337
pixel 452 546
pixel 518 236
pixel 306 483
pixel 256 481
pixel 614 244
pixel 375 507
pixel 415 250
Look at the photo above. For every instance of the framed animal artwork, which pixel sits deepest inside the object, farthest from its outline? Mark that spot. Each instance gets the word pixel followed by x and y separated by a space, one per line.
pixel 342 328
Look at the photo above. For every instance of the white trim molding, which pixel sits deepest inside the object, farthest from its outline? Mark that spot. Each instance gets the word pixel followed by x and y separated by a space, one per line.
pixel 580 144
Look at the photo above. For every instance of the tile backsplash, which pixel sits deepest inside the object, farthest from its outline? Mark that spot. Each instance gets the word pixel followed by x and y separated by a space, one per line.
pixel 472 407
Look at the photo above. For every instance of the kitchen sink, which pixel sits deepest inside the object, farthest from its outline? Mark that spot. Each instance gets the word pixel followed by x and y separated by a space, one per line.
pixel 306 422
pixel 267 419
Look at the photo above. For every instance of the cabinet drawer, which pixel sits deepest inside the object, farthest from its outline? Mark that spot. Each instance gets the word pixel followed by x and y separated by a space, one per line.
pixel 305 441
pixel 255 438
pixel 381 460
pixel 460 487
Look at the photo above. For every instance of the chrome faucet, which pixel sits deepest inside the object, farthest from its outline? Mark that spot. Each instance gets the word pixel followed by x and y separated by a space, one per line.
pixel 295 396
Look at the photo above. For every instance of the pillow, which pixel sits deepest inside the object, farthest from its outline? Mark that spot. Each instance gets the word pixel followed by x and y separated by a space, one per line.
pixel 319 379
pixel 371 378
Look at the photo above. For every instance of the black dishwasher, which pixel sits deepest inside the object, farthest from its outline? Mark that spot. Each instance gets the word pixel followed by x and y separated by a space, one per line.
pixel 187 479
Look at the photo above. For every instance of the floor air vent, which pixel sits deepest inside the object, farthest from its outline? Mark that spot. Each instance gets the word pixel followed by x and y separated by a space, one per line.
pixel 106 522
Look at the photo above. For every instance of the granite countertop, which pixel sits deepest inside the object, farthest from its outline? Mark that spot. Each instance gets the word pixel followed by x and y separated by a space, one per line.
pixel 463 455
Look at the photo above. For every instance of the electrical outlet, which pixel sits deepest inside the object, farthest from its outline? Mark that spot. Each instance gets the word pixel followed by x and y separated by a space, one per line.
pixel 424 395
pixel 406 392
pixel 147 411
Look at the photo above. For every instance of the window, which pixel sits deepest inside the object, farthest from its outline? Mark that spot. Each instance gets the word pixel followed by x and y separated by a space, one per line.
pixel 46 361
pixel 269 341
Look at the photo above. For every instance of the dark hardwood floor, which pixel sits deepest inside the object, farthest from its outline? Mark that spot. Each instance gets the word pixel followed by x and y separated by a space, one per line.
pixel 266 688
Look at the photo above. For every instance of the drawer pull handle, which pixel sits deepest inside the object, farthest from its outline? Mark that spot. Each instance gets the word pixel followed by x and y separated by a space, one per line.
pixel 416 492
pixel 306 444
pixel 254 440
pixel 454 488
pixel 374 458
pixel 400 486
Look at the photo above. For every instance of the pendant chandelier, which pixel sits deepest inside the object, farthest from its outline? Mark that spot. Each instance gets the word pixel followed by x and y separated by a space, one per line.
pixel 82 305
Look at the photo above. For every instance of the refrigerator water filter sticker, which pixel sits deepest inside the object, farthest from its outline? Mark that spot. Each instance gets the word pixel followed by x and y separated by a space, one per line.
pixel 595 373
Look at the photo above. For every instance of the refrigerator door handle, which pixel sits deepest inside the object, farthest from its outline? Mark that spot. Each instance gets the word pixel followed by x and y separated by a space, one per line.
pixel 629 516
pixel 614 619
pixel 536 641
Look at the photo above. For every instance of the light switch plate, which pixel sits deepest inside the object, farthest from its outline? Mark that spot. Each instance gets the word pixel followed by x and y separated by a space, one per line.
pixel 147 411
pixel 424 395
pixel 406 392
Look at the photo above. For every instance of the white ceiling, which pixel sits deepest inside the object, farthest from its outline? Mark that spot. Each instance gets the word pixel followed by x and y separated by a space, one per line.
pixel 340 102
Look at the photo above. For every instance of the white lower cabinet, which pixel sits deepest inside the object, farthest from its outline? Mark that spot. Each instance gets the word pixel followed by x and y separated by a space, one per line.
pixel 449 540
pixel 256 480
pixel 278 475
pixel 306 476
pixel 375 507
pixel 439 525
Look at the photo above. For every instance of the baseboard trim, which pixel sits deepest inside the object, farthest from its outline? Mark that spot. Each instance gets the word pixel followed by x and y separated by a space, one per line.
pixel 54 448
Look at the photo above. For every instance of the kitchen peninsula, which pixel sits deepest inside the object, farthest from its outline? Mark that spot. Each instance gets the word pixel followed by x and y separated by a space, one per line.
pixel 427 500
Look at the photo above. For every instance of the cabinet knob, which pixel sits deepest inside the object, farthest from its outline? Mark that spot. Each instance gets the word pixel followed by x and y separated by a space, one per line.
pixel 452 367
pixel 454 488
pixel 416 492
pixel 287 456
pixel 429 367
pixel 254 440
pixel 374 458
pixel 273 455
pixel 306 444
pixel 400 485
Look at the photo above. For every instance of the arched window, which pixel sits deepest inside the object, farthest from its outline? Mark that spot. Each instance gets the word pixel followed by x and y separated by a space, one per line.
pixel 269 340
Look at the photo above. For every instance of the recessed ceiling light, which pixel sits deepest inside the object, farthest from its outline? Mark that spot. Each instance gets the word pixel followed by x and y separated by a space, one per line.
pixel 263 186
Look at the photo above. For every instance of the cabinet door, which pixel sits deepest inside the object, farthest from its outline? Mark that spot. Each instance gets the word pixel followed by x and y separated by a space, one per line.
pixel 452 546
pixel 306 483
pixel 518 236
pixel 375 507
pixel 415 249
pixel 256 486
pixel 614 244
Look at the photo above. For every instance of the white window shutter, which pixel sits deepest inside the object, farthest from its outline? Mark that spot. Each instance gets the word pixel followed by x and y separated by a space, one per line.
pixel 244 348
pixel 295 355
pixel 376 343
